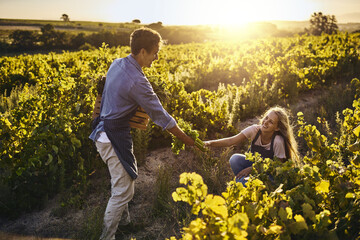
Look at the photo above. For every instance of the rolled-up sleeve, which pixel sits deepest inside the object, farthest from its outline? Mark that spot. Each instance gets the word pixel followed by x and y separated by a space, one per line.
pixel 250 131
pixel 143 93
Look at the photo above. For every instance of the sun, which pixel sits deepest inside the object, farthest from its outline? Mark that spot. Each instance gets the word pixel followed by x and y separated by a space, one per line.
pixel 237 13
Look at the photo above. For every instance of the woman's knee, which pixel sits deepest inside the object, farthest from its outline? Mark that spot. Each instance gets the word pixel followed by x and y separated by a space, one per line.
pixel 236 162
pixel 236 158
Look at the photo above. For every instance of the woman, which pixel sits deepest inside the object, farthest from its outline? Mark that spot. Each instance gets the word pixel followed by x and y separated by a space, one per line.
pixel 272 138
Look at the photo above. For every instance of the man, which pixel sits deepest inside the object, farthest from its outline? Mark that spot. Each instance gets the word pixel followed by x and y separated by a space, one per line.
pixel 125 89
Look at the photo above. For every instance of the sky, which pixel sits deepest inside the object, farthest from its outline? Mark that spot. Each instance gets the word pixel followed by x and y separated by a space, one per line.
pixel 177 12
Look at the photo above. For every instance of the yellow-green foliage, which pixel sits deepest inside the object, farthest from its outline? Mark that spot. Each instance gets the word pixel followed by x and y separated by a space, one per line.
pixel 44 143
pixel 318 200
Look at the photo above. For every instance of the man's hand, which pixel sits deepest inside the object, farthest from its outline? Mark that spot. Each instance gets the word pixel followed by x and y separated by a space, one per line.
pixel 244 173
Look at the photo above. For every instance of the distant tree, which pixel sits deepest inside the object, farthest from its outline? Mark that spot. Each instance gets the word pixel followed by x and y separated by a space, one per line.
pixel 320 23
pixel 136 21
pixel 333 27
pixel 65 18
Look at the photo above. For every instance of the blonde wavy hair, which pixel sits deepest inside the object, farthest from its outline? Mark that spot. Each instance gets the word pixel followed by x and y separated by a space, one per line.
pixel 286 131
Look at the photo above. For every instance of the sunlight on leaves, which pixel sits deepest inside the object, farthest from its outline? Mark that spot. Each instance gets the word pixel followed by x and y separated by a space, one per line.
pixel 322 186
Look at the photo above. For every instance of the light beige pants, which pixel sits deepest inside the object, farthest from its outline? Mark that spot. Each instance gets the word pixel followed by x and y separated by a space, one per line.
pixel 122 191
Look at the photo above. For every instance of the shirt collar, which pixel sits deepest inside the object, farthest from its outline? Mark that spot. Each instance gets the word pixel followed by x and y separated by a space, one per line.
pixel 135 63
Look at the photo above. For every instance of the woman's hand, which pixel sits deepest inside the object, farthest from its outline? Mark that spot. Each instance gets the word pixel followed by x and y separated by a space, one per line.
pixel 244 173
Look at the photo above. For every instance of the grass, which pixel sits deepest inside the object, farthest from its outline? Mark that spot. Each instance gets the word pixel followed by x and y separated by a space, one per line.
pixel 92 225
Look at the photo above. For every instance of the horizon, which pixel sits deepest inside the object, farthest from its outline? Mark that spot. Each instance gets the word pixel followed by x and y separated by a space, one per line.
pixel 185 12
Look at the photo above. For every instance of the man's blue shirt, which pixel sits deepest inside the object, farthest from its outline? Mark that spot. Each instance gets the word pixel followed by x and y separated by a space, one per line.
pixel 126 87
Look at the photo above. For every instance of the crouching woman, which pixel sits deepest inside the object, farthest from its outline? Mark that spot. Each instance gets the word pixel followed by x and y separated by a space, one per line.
pixel 273 137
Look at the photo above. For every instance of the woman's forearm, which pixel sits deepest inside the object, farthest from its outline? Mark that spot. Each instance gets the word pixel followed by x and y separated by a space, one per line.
pixel 226 142
pixel 223 142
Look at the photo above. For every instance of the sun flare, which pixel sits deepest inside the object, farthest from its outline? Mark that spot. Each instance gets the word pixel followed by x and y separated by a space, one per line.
pixel 239 12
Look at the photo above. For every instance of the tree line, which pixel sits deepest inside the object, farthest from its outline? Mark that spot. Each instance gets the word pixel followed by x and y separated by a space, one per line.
pixel 50 39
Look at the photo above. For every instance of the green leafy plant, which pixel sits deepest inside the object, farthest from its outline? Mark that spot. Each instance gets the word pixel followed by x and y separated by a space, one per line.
pixel 318 200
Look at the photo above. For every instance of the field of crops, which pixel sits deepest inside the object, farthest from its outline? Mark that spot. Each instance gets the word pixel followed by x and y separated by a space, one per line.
pixel 46 107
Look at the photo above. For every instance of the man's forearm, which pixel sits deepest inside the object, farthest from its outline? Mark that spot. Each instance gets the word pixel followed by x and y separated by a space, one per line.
pixel 177 132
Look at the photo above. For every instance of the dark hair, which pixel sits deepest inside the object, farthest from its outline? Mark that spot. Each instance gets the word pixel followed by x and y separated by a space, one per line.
pixel 144 38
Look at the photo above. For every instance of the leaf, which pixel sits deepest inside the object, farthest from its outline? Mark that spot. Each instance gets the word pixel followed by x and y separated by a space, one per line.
pixel 323 186
pixel 357 181
pixel 282 214
pixel 239 221
pixel 19 171
pixel 357 131
pixel 216 204
pixel 323 218
pixel 308 212
pixel 350 195
pixel 274 229
pixel 50 158
pixel 180 195
pixel 55 148
pixel 237 225
pixel 196 226
pixel 299 225
pixel 300 219
pixel 289 212
pixel 76 142
pixel 285 214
